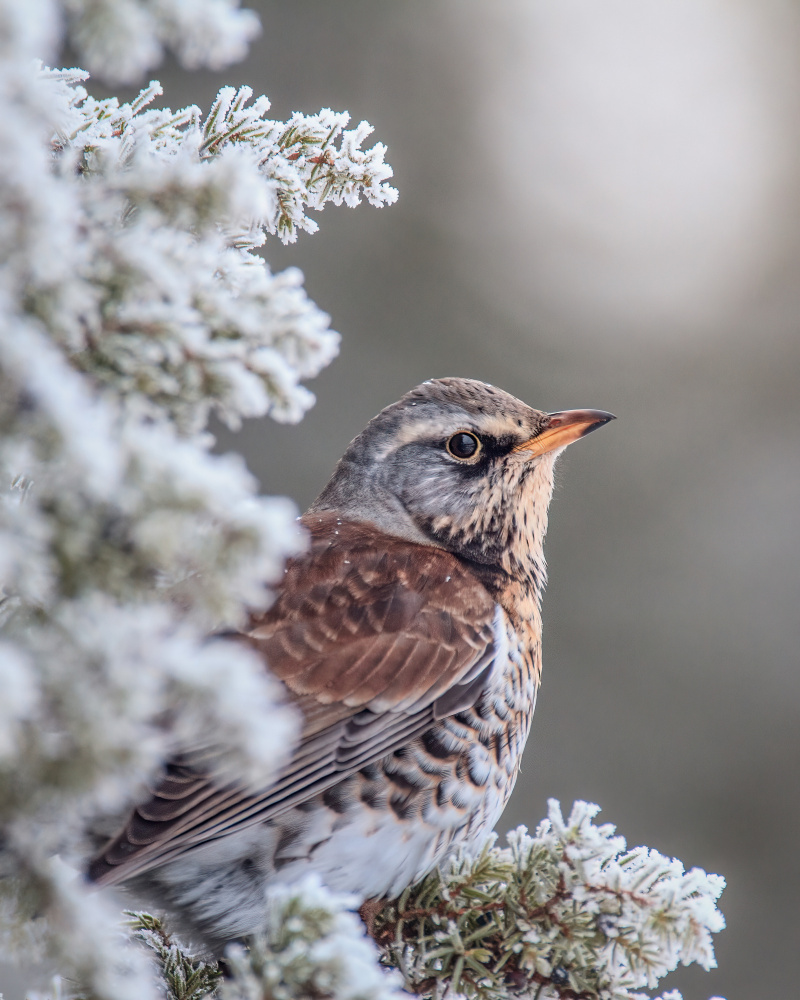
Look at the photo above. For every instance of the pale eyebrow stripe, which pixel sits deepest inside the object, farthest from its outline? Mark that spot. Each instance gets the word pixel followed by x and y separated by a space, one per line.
pixel 425 428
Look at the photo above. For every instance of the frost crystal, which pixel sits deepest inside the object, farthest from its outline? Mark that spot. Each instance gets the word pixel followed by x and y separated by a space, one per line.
pixel 312 946
pixel 176 312
pixel 133 305
pixel 569 912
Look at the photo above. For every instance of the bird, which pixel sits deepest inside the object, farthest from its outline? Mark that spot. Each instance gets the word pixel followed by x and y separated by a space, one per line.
pixel 408 637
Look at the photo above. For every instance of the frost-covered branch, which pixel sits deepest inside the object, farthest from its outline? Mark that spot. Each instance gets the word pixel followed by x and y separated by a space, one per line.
pixel 133 306
pixel 313 945
pixel 564 914
pixel 177 311
pixel 184 976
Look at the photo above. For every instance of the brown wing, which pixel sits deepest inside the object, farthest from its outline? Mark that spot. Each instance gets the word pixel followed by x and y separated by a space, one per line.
pixel 374 638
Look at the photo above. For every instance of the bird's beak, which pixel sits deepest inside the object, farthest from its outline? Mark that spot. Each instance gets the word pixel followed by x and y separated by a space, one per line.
pixel 562 429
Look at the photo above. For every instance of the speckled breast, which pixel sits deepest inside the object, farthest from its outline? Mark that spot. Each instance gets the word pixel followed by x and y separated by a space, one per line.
pixel 386 826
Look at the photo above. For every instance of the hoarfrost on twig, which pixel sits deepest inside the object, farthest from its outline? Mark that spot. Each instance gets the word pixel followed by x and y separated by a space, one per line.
pixel 133 305
pixel 568 912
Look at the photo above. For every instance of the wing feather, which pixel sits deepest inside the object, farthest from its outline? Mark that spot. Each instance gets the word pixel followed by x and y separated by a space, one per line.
pixel 374 638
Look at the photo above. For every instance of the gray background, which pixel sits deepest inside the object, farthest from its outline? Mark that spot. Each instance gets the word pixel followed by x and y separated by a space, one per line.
pixel 599 207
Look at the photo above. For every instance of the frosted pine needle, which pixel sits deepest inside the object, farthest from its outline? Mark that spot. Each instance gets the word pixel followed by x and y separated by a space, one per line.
pixel 566 913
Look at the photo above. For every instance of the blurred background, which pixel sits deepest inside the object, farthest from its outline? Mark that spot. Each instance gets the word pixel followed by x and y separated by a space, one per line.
pixel 599 207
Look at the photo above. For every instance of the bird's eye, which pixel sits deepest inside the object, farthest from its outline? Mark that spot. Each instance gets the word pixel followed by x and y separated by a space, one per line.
pixel 463 445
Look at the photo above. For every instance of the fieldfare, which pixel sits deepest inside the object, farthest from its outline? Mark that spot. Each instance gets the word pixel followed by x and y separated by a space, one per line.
pixel 409 637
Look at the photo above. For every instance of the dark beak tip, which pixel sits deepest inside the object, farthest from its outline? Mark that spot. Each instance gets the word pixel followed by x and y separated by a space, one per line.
pixel 602 417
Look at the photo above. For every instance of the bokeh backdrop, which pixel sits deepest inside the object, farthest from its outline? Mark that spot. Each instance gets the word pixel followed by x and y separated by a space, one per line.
pixel 599 206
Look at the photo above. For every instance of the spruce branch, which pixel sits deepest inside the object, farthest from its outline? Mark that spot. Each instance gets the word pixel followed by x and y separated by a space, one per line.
pixel 184 976
pixel 133 306
pixel 313 947
pixel 178 315
pixel 569 913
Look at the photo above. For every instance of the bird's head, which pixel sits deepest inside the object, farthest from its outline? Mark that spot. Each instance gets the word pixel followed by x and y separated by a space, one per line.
pixel 462 465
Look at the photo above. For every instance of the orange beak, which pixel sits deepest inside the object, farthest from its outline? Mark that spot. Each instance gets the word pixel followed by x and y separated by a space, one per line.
pixel 562 429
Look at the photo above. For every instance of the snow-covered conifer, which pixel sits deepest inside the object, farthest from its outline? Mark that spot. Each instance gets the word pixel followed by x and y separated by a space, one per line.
pixel 132 306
